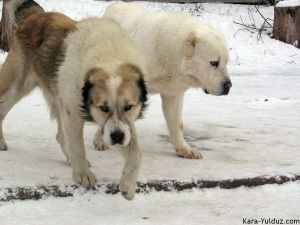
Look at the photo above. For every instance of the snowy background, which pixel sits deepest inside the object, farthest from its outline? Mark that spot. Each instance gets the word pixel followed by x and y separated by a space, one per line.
pixel 254 131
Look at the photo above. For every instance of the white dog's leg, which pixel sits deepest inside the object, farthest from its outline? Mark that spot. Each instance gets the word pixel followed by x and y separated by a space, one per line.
pixel 72 127
pixel 131 169
pixel 99 142
pixel 172 107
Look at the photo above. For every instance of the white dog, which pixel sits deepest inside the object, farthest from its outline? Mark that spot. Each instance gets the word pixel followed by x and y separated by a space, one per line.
pixel 181 53
pixel 87 70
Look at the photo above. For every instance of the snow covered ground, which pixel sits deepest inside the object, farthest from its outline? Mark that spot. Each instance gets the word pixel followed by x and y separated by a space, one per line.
pixel 288 3
pixel 254 131
pixel 197 207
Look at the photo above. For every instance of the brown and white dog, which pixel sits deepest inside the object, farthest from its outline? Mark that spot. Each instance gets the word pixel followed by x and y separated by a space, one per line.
pixel 181 52
pixel 87 70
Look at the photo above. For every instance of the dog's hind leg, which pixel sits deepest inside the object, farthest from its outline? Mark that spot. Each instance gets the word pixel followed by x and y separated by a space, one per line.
pixel 14 85
pixel 60 139
pixel 172 107
pixel 132 166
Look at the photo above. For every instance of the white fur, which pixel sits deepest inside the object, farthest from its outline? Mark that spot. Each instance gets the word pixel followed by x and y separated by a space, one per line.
pixel 113 124
pixel 178 50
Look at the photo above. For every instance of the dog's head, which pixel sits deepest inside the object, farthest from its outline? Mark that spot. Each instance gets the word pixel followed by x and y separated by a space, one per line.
pixel 205 62
pixel 114 100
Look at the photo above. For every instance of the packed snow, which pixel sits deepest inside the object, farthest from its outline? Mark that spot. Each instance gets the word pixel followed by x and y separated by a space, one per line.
pixel 197 207
pixel 288 3
pixel 254 131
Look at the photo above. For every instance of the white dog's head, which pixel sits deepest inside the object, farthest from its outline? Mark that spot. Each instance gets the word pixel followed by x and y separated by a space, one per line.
pixel 205 62
pixel 114 101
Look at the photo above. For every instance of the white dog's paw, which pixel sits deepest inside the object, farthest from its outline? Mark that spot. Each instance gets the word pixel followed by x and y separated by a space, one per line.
pixel 189 153
pixel 127 188
pixel 3 145
pixel 85 178
pixel 99 144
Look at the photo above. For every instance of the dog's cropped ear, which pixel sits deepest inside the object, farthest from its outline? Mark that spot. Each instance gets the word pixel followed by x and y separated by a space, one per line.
pixel 132 72
pixel 139 76
pixel 189 44
pixel 96 76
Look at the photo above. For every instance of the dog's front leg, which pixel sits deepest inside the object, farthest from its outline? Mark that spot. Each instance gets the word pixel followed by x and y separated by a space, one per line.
pixel 72 127
pixel 172 107
pixel 131 169
pixel 99 142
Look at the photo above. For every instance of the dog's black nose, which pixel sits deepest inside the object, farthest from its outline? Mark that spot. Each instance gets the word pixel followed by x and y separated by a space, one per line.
pixel 117 137
pixel 226 87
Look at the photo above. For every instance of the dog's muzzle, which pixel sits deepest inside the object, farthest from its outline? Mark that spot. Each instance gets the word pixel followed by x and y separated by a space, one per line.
pixel 117 137
pixel 226 87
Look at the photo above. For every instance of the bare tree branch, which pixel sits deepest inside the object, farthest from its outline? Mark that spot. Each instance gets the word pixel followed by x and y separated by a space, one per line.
pixel 251 25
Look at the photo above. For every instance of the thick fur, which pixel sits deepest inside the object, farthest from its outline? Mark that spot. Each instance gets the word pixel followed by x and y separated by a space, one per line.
pixel 80 67
pixel 12 12
pixel 181 52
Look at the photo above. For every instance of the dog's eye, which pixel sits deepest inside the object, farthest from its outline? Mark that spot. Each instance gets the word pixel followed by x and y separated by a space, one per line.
pixel 128 107
pixel 214 63
pixel 104 108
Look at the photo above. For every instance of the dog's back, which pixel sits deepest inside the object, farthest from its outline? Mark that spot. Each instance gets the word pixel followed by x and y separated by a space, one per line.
pixel 41 36
pixel 161 36
pixel 101 40
pixel 118 11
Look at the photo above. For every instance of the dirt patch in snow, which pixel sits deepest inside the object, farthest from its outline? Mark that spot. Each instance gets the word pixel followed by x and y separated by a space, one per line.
pixel 41 191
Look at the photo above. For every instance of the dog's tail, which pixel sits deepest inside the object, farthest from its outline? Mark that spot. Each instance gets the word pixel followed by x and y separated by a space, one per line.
pixel 13 12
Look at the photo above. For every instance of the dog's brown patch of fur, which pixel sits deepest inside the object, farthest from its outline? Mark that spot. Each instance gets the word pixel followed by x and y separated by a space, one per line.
pixel 129 71
pixel 41 35
pixel 94 90
pixel 133 86
pixel 130 74
pixel 97 76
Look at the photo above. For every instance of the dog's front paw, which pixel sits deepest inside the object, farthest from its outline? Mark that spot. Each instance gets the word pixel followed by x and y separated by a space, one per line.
pixel 85 178
pixel 99 144
pixel 127 188
pixel 189 153
pixel 3 145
